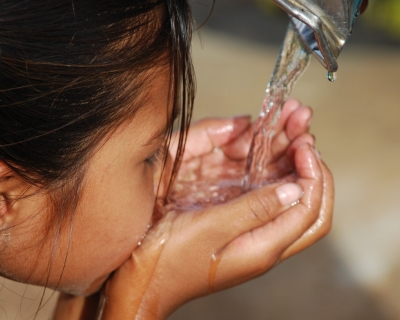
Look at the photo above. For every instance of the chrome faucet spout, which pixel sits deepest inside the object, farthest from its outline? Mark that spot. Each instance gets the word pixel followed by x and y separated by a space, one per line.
pixel 323 25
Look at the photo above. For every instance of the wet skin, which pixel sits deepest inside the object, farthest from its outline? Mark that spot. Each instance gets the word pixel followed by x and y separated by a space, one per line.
pixel 113 213
pixel 247 235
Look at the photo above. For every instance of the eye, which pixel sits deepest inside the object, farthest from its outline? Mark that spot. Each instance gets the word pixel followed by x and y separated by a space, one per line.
pixel 156 157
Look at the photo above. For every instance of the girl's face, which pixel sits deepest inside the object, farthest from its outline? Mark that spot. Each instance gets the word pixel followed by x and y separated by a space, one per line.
pixel 114 211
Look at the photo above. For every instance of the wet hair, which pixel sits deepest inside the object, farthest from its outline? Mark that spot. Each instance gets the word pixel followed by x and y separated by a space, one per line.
pixel 73 70
pixel 69 69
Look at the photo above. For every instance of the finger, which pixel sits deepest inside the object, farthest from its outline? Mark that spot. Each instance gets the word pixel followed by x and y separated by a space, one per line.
pixel 255 252
pixel 249 211
pixel 304 139
pixel 297 124
pixel 285 165
pixel 238 148
pixel 294 116
pixel 324 222
pixel 207 134
pixel 296 220
pixel 288 108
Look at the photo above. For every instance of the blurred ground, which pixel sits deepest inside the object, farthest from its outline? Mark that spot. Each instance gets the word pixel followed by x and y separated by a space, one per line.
pixel 353 274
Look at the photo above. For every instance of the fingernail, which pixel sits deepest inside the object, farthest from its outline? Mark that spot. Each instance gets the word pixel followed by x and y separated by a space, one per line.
pixel 289 193
pixel 317 153
pixel 241 122
pixel 241 116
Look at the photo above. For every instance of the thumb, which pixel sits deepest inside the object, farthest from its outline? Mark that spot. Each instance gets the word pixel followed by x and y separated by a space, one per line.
pixel 250 210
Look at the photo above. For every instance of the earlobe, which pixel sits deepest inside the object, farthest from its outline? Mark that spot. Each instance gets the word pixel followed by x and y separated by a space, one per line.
pixel 4 203
pixel 3 208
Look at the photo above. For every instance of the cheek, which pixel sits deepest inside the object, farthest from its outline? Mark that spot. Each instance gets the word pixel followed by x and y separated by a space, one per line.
pixel 23 241
pixel 109 223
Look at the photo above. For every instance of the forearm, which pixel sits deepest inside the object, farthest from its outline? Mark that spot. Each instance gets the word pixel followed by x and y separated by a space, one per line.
pixel 71 307
pixel 124 309
pixel 132 294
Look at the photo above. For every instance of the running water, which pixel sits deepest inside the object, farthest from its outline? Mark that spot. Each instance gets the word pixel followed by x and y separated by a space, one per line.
pixel 292 62
pixel 204 181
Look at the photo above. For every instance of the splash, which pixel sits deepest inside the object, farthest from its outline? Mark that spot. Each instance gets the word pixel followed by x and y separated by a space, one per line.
pixel 204 182
pixel 292 62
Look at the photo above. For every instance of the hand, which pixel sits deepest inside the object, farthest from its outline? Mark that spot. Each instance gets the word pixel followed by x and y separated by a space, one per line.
pixel 228 140
pixel 216 154
pixel 195 252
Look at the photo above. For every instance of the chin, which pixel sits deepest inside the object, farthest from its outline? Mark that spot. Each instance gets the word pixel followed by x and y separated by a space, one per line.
pixel 83 289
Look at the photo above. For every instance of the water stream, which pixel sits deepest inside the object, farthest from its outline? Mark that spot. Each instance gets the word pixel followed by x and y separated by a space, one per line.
pixel 292 62
pixel 204 181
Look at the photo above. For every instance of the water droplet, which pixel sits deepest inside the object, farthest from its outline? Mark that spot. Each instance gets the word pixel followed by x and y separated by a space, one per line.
pixel 271 134
pixel 291 63
pixel 270 105
pixel 214 263
pixel 264 131
pixel 332 76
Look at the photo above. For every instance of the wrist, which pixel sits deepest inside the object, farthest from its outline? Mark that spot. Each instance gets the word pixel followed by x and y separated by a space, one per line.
pixel 70 307
pixel 136 297
pixel 147 307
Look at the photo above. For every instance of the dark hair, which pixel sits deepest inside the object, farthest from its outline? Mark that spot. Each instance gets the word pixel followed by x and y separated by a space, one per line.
pixel 69 72
pixel 61 71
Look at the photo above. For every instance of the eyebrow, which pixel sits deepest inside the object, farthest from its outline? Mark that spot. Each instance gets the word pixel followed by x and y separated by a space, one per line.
pixel 160 133
pixel 157 136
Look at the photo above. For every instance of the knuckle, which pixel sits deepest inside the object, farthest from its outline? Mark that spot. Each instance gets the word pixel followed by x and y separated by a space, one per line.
pixel 262 207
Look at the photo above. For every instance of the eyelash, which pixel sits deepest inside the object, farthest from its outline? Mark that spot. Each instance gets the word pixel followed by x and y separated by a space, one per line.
pixel 156 156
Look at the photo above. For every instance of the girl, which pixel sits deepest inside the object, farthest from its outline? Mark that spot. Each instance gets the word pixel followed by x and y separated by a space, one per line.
pixel 89 92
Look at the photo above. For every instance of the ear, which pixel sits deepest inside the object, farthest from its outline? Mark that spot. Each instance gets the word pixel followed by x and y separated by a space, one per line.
pixel 3 208
pixel 6 187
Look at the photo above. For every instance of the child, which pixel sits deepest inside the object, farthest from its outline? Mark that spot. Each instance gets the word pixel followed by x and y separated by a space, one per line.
pixel 89 94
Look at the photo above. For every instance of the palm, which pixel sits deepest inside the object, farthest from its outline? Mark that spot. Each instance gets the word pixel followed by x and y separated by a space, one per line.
pixel 212 247
pixel 215 158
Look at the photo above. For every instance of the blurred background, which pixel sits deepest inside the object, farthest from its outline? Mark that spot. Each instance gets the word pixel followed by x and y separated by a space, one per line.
pixel 354 273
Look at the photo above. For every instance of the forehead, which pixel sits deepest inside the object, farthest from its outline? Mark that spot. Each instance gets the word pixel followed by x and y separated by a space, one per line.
pixel 157 105
pixel 153 116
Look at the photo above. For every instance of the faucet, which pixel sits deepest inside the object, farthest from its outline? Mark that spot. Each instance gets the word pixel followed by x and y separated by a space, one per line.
pixel 323 26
